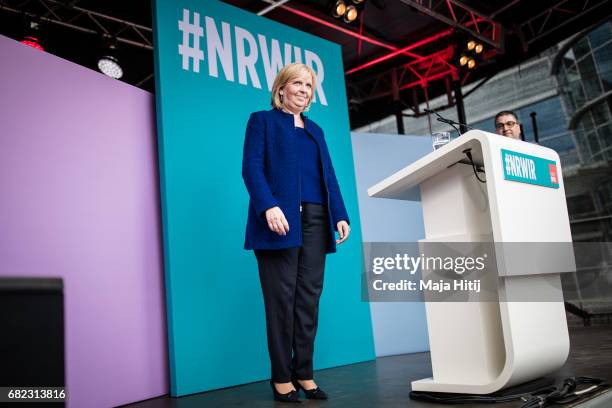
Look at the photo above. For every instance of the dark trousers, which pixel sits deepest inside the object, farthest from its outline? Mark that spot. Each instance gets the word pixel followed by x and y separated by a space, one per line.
pixel 292 281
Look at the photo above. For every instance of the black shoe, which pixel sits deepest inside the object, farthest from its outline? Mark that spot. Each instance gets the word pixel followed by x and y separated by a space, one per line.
pixel 315 393
pixel 291 396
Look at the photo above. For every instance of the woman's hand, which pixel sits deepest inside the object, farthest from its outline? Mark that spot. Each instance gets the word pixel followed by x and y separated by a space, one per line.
pixel 277 221
pixel 344 230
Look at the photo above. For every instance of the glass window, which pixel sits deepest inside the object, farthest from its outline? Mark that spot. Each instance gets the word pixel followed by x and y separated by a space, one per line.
pixel 603 59
pixel 566 75
pixel 569 158
pixel 567 62
pixel 601 113
pixel 580 206
pixel 590 79
pixel 581 48
pixel 605 193
pixel 587 122
pixel 605 135
pixel 560 144
pixel 577 93
pixel 562 77
pixel 583 145
pixel 594 144
pixel 572 74
pixel 550 117
pixel 600 35
pixel 569 101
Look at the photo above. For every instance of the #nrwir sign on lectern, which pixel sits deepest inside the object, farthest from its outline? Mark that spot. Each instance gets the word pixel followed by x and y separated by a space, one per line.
pixel 519 206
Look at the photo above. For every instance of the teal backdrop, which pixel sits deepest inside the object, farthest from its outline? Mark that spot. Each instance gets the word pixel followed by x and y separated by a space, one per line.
pixel 214 66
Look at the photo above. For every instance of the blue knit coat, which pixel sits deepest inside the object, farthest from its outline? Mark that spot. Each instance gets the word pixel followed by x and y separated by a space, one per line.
pixel 271 173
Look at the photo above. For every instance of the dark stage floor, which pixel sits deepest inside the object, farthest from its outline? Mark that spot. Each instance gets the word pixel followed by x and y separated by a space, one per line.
pixel 386 381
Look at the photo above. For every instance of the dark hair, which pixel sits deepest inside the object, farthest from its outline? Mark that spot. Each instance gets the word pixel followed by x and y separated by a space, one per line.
pixel 506 112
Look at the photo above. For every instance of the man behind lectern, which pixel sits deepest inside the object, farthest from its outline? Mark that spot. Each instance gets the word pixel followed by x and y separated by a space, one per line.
pixel 507 124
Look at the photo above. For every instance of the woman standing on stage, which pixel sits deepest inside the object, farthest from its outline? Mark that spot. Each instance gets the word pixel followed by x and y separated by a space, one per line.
pixel 295 208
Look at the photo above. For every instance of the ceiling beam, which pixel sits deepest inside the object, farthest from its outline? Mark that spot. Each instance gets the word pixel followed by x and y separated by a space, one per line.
pixel 503 8
pixel 95 23
pixel 335 26
pixel 458 15
pixel 271 7
pixel 555 17
pixel 418 73
pixel 409 47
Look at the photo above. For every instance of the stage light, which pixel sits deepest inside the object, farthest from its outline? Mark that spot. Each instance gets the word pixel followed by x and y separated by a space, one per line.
pixel 32 42
pixel 109 66
pixel 339 9
pixel 351 14
pixel 33 35
pixel 347 10
pixel 467 54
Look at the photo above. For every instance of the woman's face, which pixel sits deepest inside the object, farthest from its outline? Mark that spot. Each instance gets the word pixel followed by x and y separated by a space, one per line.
pixel 297 92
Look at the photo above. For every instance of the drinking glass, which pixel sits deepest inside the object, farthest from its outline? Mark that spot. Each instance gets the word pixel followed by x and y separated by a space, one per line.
pixel 439 139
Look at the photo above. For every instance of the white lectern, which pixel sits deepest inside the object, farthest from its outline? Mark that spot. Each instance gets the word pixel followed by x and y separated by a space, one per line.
pixel 480 348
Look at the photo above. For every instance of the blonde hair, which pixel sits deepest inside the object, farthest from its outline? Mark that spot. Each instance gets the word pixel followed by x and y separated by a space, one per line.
pixel 287 74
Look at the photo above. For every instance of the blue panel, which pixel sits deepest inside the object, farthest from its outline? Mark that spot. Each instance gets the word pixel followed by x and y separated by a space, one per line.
pixel 216 322
pixel 399 327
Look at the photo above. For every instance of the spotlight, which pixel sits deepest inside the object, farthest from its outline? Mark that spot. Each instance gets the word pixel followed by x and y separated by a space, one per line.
pixel 347 10
pixel 339 9
pixel 32 42
pixel 33 35
pixel 351 14
pixel 108 64
pixel 468 53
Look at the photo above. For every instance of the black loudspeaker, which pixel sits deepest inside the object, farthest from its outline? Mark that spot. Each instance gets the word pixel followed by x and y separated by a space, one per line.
pixel 31 332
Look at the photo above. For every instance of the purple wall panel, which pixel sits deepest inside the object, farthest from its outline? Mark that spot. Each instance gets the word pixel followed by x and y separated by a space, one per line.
pixel 79 199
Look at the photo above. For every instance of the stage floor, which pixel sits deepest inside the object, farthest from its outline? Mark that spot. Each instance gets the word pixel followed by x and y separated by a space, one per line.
pixel 385 382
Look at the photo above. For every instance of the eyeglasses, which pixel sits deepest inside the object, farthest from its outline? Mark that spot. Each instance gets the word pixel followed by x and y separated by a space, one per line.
pixel 501 125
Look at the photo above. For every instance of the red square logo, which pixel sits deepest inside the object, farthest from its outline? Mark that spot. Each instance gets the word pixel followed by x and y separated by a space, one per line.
pixel 552 169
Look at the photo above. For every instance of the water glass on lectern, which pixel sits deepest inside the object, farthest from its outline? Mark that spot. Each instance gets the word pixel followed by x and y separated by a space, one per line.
pixel 439 139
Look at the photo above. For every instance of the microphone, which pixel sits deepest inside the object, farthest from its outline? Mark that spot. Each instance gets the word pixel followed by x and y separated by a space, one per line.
pixel 448 121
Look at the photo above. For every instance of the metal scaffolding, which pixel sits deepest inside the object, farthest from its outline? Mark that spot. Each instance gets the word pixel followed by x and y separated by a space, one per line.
pixel 68 14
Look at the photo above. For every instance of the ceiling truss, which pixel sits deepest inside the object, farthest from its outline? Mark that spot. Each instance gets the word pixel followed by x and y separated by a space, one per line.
pixel 554 18
pixel 458 15
pixel 68 14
